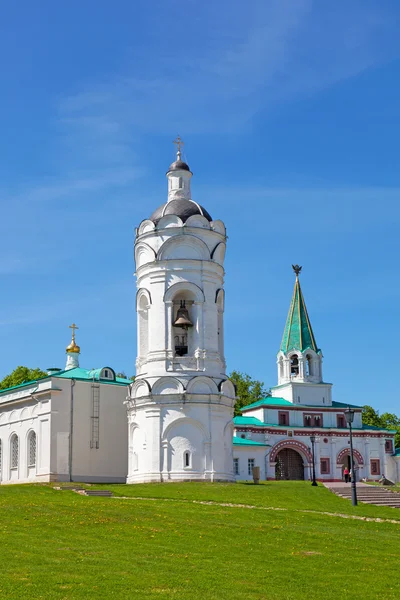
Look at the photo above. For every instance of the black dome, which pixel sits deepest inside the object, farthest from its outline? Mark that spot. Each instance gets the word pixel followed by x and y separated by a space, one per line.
pixel 179 165
pixel 181 208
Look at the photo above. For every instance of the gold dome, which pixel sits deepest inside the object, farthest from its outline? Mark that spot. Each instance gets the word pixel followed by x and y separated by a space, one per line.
pixel 73 346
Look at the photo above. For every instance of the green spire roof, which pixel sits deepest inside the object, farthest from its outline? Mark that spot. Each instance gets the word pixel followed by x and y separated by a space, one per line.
pixel 298 334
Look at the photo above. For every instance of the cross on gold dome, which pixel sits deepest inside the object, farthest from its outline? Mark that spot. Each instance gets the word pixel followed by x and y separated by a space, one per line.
pixel 73 327
pixel 179 143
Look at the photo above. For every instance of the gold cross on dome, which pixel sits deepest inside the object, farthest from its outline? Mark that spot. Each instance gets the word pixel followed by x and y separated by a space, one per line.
pixel 73 327
pixel 179 143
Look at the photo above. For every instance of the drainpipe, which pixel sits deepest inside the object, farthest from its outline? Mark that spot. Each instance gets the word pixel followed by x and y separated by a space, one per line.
pixel 71 427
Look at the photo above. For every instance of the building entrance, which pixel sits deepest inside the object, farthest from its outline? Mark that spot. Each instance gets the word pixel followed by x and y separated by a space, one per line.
pixel 289 465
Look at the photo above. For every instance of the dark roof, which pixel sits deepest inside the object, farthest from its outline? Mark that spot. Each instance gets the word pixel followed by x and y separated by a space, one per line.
pixel 179 165
pixel 182 208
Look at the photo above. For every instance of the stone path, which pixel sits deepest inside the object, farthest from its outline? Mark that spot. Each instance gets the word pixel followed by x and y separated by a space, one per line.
pixel 370 494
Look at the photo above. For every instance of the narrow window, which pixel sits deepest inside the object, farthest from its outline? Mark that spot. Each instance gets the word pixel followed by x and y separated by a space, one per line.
pixel 14 451
pixel 180 183
pixel 95 426
pixel 236 466
pixel 309 365
pixel 186 459
pixel 32 449
pixel 317 421
pixel 307 420
pixel 250 465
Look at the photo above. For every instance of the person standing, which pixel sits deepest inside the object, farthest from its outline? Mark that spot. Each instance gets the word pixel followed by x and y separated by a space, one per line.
pixel 346 474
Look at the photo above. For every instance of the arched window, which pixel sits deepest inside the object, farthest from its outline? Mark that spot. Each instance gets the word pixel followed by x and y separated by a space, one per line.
pixel 186 459
pixel 14 447
pixel 294 365
pixel 180 183
pixel 143 326
pixel 32 449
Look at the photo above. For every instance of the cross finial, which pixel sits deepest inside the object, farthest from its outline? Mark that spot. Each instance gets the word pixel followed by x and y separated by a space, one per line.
pixel 178 142
pixel 297 270
pixel 73 327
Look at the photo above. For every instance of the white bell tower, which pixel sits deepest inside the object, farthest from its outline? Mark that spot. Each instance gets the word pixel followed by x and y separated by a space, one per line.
pixel 180 406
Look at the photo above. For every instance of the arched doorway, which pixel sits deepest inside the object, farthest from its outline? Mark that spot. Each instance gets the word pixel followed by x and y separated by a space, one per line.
pixel 343 460
pixel 289 465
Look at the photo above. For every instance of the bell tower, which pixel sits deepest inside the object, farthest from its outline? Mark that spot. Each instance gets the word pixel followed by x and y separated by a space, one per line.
pixel 299 358
pixel 180 406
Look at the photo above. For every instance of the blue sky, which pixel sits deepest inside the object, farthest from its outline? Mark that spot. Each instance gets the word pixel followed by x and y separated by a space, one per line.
pixel 290 114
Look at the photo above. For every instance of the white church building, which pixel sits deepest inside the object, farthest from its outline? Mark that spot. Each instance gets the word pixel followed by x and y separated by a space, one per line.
pixel 175 421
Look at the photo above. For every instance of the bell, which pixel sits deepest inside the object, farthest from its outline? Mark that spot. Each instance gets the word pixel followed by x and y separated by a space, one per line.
pixel 182 317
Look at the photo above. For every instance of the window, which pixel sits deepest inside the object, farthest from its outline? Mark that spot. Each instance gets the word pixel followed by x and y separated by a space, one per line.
pixel 14 451
pixel 32 449
pixel 340 421
pixel 389 446
pixel 250 465
pixel 325 466
pixel 307 421
pixel 107 374
pixel 236 466
pixel 186 459
pixel 283 417
pixel 313 420
pixel 294 365
pixel 375 466
pixel 180 183
pixel 95 418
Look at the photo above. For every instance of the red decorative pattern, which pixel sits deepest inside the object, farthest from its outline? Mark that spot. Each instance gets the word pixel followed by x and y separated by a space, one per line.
pixel 346 452
pixel 294 444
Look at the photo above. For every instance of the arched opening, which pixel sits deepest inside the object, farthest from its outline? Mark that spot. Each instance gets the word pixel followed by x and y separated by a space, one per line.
pixel 31 449
pixel 294 365
pixel 182 324
pixel 345 463
pixel 309 366
pixel 289 465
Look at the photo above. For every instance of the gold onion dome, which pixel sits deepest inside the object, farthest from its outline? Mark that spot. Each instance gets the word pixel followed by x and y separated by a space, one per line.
pixel 73 346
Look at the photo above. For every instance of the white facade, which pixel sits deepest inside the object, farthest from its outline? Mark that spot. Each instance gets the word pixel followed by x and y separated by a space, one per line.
pixel 181 404
pixel 64 428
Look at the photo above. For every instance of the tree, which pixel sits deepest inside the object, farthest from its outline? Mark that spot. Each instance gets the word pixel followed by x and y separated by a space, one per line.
pixel 370 416
pixel 21 375
pixel 248 390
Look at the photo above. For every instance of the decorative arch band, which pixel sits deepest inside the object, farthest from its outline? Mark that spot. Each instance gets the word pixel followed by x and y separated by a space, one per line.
pixel 294 445
pixel 346 452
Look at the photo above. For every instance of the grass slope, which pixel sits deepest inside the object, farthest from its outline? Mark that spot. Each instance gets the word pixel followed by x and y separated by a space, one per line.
pixel 61 545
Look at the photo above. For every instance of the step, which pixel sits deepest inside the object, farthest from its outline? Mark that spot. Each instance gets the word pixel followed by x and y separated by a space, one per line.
pixel 105 493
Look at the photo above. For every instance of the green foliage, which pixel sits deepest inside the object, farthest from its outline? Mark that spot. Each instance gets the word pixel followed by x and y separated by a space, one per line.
pixel 370 416
pixel 248 390
pixel 21 375
pixel 170 546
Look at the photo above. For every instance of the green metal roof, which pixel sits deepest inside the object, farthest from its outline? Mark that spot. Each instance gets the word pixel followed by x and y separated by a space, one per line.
pixel 272 401
pixel 78 373
pixel 247 421
pixel 243 442
pixel 298 333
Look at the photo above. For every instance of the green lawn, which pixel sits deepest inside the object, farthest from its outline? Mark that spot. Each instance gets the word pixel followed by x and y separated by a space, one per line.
pixel 61 545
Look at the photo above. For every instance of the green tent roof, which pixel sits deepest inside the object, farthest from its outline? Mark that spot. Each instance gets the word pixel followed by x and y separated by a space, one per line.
pixel 298 333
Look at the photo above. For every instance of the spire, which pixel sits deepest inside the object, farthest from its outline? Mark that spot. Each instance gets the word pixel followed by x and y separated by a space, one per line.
pixel 298 333
pixel 72 350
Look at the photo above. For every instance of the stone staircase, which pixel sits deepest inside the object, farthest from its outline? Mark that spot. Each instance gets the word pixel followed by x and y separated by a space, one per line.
pixel 370 495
